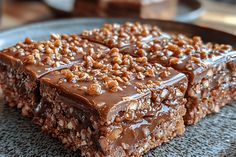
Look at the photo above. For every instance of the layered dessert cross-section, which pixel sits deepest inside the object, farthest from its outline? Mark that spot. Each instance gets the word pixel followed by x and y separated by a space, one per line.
pixel 22 65
pixel 210 68
pixel 118 106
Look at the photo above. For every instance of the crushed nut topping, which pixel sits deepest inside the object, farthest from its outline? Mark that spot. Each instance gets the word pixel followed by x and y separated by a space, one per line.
pixel 141 40
pixel 135 50
pixel 104 75
pixel 94 89
pixel 58 50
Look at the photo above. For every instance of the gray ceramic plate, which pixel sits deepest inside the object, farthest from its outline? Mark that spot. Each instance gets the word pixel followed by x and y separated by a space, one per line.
pixel 213 136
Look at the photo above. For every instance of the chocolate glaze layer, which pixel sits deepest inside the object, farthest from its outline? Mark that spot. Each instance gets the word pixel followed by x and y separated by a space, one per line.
pixel 39 58
pixel 188 55
pixel 124 97
pixel 125 136
pixel 208 66
pixel 109 82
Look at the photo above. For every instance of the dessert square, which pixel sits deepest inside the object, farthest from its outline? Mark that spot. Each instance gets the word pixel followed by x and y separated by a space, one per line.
pixel 210 67
pixel 22 65
pixel 125 106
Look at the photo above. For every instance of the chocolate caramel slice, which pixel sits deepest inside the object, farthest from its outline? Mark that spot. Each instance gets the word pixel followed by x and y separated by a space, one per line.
pixel 119 105
pixel 22 65
pixel 209 67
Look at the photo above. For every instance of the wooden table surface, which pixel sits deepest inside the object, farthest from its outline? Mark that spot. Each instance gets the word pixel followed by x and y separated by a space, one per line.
pixel 14 13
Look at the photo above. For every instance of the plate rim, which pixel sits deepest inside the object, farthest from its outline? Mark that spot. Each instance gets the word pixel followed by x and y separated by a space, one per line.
pixel 91 19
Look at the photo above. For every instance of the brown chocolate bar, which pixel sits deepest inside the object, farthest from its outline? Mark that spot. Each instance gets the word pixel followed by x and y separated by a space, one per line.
pixel 119 106
pixel 210 67
pixel 22 65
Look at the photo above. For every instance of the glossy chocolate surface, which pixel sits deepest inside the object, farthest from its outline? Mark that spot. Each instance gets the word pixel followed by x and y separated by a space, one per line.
pixel 41 57
pixel 188 55
pixel 121 78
